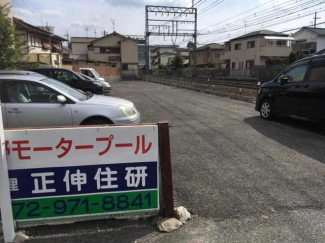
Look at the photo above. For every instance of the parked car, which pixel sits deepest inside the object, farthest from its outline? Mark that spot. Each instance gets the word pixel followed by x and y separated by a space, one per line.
pixel 106 84
pixel 74 80
pixel 299 90
pixel 19 72
pixel 33 101
pixel 92 73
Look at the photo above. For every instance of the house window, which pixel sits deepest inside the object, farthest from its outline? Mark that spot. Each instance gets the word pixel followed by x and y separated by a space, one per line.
pixel 217 55
pixel 250 44
pixel 249 63
pixel 281 42
pixel 241 65
pixel 102 50
pixel 125 67
pixel 35 41
pixel 233 65
pixel 238 46
pixel 277 43
pixel 109 50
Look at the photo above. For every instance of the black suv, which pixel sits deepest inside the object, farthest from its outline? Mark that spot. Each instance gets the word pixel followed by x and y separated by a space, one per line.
pixel 299 90
pixel 74 80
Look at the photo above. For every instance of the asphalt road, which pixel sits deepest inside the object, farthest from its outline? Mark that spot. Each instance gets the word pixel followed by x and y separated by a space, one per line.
pixel 243 178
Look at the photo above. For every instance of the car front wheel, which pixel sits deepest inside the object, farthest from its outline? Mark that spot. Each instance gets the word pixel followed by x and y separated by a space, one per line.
pixel 266 110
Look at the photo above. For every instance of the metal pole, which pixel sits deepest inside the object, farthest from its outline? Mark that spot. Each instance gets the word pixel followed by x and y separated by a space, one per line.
pixel 195 40
pixel 50 42
pixel 315 19
pixel 147 41
pixel 5 198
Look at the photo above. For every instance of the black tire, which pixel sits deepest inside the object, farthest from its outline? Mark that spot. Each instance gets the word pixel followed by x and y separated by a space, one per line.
pixel 97 121
pixel 266 110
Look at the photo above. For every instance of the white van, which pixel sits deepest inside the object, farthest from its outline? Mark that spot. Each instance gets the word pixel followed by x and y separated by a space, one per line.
pixel 92 73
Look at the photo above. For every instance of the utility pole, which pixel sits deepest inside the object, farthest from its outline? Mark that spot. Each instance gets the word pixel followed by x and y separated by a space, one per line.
pixel 147 36
pixel 113 22
pixel 67 35
pixel 95 32
pixel 104 33
pixel 50 43
pixel 315 20
pixel 192 3
pixel 195 41
pixel 87 30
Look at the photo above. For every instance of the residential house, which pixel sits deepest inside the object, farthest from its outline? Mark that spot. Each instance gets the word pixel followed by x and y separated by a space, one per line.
pixel 309 40
pixel 112 50
pixel 256 48
pixel 79 49
pixel 8 4
pixel 184 53
pixel 207 55
pixel 41 46
pixel 160 55
pixel 66 56
pixel 115 50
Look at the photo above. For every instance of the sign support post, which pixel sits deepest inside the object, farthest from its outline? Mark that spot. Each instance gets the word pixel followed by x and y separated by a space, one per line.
pixel 5 197
pixel 166 170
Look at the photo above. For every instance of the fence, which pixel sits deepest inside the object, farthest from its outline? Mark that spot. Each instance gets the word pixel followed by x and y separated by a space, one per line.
pixel 261 73
pixel 243 89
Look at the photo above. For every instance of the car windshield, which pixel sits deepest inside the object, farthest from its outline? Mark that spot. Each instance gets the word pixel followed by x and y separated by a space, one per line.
pixel 80 76
pixel 96 74
pixel 66 89
pixel 85 76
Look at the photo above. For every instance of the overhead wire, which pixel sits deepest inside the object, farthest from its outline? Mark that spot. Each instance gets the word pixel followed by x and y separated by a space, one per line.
pixel 32 11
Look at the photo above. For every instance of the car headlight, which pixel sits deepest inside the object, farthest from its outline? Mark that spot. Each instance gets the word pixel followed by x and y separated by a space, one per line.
pixel 127 111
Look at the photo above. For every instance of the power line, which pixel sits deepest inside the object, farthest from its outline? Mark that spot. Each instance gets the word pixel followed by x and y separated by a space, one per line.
pixel 267 18
pixel 256 16
pixel 241 14
pixel 32 12
pixel 274 23
pixel 264 19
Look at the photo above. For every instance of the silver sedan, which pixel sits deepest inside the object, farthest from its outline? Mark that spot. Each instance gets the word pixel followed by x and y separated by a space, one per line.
pixel 36 101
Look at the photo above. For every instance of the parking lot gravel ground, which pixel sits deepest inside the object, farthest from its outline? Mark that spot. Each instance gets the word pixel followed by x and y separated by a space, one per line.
pixel 244 179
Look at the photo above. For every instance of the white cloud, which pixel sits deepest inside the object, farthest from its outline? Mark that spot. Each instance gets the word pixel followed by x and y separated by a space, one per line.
pixel 51 13
pixel 142 3
pixel 22 13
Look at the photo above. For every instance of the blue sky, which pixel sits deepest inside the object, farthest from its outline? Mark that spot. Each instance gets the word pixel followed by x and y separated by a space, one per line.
pixel 129 15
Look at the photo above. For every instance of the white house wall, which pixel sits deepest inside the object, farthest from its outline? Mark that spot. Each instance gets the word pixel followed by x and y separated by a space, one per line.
pixel 320 43
pixel 110 40
pixel 306 35
pixel 79 48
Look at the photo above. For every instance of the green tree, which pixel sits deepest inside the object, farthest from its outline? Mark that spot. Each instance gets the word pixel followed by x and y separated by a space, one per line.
pixel 11 52
pixel 177 62
pixel 295 56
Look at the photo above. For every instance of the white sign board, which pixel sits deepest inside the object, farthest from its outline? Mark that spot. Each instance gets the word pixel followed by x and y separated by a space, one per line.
pixel 68 172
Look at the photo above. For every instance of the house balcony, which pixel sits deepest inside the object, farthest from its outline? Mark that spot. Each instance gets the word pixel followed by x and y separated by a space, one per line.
pixel 308 48
pixel 275 51
pixel 225 55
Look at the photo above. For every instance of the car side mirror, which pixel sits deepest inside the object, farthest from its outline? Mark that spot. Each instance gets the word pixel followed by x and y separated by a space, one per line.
pixel 285 80
pixel 61 99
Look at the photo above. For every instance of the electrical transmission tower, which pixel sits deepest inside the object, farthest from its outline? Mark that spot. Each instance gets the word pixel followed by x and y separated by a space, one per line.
pixel 170 21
